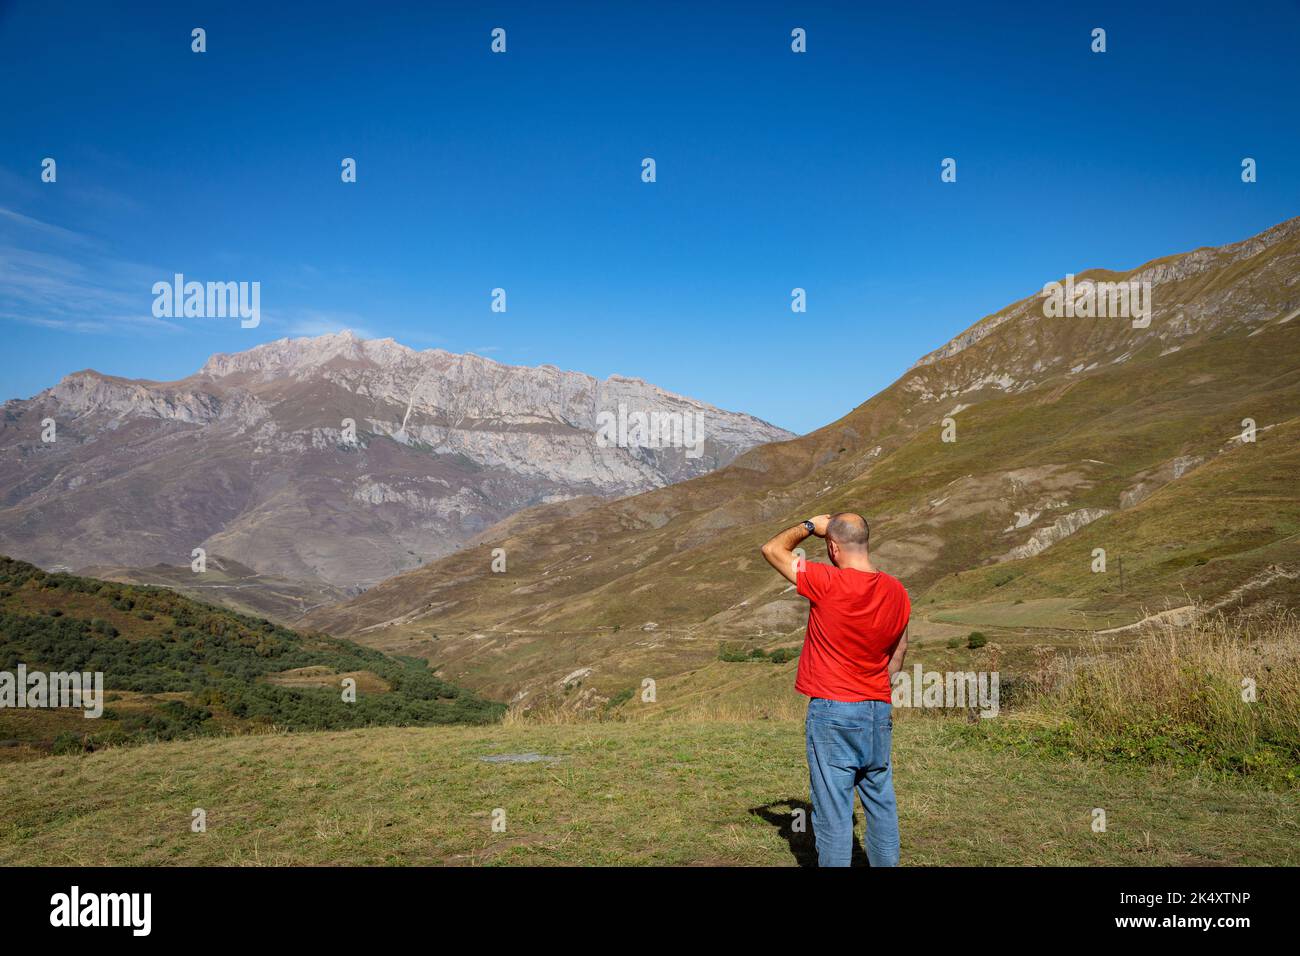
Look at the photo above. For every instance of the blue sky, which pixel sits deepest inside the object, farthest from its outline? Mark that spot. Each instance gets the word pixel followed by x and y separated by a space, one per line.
pixel 522 171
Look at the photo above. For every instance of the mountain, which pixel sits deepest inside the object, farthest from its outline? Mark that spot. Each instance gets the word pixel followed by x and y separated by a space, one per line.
pixel 253 457
pixel 1070 434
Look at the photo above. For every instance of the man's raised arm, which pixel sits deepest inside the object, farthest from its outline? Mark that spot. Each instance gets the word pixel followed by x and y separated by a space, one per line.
pixel 780 550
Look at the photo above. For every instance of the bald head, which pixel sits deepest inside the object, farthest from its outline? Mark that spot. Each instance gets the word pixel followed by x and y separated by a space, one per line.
pixel 849 531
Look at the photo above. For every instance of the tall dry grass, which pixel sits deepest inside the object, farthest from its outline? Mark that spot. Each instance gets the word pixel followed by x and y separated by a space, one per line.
pixel 549 715
pixel 785 707
pixel 1214 691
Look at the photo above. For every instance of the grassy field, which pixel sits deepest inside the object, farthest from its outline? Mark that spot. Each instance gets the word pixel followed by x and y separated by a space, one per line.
pixel 1152 726
pixel 675 793
pixel 1043 612
pixel 712 772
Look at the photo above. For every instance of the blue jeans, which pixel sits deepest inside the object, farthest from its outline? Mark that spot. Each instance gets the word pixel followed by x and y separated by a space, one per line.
pixel 848 749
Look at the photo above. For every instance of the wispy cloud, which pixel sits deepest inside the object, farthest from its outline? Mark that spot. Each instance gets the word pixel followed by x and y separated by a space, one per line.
pixel 92 292
pixel 27 222
pixel 57 278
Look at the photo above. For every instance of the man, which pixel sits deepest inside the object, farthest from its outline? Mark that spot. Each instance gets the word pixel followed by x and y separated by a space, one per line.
pixel 856 642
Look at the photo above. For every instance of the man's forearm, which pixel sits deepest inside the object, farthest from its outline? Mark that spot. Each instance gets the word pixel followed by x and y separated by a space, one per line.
pixel 780 550
pixel 788 539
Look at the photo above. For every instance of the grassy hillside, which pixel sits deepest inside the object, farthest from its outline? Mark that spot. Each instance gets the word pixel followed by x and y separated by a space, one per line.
pixel 230 584
pixel 177 668
pixel 1211 536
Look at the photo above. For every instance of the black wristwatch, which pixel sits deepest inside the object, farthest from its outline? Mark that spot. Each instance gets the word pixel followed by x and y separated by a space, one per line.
pixel 810 527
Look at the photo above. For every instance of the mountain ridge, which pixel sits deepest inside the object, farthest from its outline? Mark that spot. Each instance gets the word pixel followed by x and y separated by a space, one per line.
pixel 333 459
pixel 1194 260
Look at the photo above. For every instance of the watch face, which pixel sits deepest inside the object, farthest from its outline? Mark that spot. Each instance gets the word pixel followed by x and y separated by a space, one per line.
pixel 810 526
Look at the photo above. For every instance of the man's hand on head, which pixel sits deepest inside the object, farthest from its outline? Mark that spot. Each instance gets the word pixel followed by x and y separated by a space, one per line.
pixel 820 523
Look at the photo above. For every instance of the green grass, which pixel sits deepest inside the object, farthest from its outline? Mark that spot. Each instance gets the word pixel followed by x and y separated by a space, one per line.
pixel 621 794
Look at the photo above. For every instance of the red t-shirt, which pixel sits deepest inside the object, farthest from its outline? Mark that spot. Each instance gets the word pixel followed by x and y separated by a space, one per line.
pixel 855 619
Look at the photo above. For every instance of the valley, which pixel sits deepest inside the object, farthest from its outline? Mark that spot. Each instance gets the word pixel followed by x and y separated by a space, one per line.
pixel 1168 449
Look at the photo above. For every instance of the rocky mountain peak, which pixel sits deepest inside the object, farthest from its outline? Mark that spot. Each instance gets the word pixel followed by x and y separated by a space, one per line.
pixel 265 455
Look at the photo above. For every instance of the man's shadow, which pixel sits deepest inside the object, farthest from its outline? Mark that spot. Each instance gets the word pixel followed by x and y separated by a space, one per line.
pixel 782 814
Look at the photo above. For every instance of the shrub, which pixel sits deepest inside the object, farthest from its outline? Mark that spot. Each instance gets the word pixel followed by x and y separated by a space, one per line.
pixel 622 697
pixel 68 743
pixel 779 655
